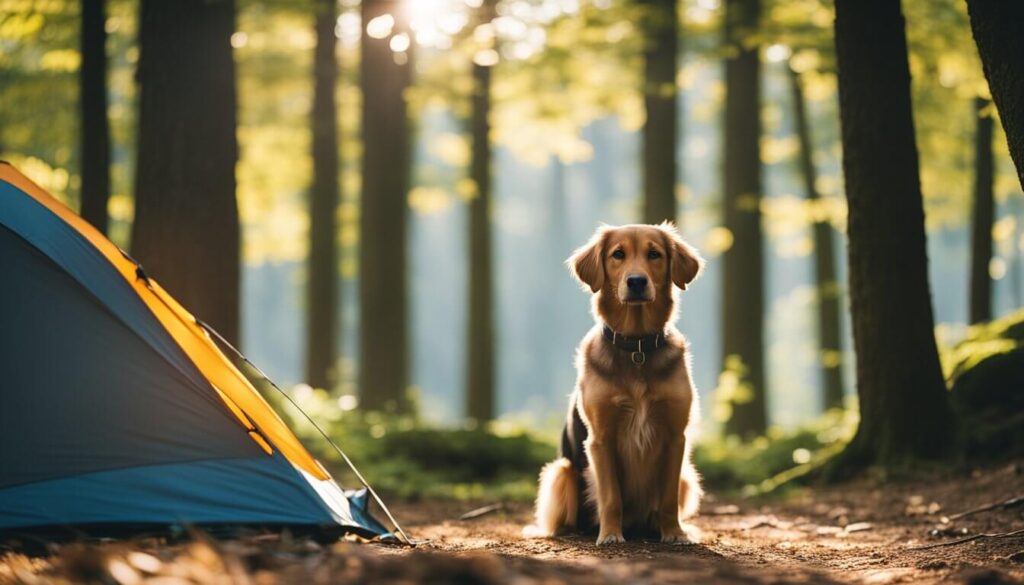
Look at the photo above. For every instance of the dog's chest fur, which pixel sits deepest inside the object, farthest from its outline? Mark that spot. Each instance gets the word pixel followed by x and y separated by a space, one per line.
pixel 650 405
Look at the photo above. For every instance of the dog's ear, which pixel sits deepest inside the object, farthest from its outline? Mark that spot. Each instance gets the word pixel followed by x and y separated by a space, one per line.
pixel 587 262
pixel 686 263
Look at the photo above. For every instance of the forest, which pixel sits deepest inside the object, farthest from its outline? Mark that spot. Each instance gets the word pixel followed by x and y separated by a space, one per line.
pixel 367 206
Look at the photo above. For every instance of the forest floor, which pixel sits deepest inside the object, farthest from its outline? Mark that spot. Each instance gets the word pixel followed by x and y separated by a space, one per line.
pixel 862 532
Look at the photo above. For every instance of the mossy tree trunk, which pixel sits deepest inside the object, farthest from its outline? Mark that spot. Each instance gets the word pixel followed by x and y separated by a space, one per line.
pixel 95 129
pixel 480 390
pixel 186 230
pixel 982 215
pixel 743 263
pixel 826 285
pixel 904 408
pixel 661 37
pixel 322 292
pixel 383 297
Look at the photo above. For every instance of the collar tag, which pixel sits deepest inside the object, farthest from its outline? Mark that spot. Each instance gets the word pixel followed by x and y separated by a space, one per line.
pixel 638 357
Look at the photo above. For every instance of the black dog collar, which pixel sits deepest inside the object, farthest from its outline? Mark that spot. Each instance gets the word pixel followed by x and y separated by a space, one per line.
pixel 638 347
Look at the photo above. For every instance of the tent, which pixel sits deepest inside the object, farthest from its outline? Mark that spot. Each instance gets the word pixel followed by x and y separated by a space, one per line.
pixel 117 407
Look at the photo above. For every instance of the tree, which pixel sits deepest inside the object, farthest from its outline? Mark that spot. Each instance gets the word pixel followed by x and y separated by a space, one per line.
pixel 95 132
pixel 904 412
pixel 998 29
pixel 982 216
pixel 384 337
pixel 824 261
pixel 186 218
pixel 661 31
pixel 322 293
pixel 743 302
pixel 480 391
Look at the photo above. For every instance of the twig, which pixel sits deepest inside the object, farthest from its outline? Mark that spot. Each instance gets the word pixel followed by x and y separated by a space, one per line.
pixel 473 514
pixel 1005 504
pixel 970 539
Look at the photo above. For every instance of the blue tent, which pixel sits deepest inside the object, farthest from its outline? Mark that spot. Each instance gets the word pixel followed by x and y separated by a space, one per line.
pixel 117 408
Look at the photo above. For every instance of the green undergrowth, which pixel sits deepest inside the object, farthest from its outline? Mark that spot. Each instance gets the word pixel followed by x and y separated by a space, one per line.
pixel 986 374
pixel 405 458
pixel 764 464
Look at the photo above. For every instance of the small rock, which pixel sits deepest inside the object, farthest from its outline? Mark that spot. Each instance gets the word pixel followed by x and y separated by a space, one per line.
pixel 858 527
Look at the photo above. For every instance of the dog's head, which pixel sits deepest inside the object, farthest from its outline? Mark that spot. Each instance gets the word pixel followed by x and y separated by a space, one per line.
pixel 636 264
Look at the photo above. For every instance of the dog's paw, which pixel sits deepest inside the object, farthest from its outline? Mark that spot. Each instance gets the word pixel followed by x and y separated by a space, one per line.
pixel 681 534
pixel 612 538
pixel 675 538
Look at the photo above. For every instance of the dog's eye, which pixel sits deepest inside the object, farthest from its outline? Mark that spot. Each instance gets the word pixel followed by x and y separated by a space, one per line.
pixel 653 255
pixel 618 254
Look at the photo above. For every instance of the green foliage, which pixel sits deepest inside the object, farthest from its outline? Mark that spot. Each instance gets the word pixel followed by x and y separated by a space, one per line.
pixel 761 465
pixel 404 458
pixel 983 341
pixel 986 372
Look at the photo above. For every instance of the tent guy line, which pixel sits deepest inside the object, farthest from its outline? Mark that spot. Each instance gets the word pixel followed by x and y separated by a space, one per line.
pixel 351 465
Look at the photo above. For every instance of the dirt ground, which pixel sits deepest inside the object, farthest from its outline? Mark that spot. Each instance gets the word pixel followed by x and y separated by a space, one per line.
pixel 864 532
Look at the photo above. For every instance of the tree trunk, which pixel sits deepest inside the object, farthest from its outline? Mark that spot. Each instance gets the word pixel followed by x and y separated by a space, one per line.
pixel 982 217
pixel 322 299
pixel 660 140
pixel 186 229
pixel 95 137
pixel 998 28
pixel 826 285
pixel 480 391
pixel 384 346
pixel 904 412
pixel 743 302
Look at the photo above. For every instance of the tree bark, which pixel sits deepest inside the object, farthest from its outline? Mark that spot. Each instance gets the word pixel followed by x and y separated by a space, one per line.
pixel 826 285
pixel 982 216
pixel 659 134
pixel 322 292
pixel 904 411
pixel 95 132
pixel 743 302
pixel 384 346
pixel 186 230
pixel 480 391
pixel 998 28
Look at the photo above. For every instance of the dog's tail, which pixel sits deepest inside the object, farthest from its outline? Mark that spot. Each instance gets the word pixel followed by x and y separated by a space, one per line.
pixel 557 500
pixel 690 490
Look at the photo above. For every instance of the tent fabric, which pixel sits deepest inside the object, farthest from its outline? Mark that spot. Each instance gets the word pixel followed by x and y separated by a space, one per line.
pixel 64 415
pixel 84 246
pixel 196 492
pixel 115 405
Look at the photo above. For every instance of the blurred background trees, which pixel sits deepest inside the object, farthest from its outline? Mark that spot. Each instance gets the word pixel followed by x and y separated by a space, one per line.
pixel 388 233
pixel 185 205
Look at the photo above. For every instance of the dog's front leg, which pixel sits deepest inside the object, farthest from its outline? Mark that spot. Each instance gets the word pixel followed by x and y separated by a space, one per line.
pixel 609 498
pixel 668 507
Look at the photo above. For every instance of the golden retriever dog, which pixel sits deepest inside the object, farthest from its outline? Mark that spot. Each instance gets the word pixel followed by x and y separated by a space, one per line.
pixel 626 443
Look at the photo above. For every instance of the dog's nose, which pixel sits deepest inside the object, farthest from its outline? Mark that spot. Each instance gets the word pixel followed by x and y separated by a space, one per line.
pixel 636 284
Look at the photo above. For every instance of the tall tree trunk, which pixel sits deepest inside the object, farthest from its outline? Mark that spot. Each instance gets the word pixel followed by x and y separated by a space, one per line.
pixel 660 65
pixel 383 335
pixel 743 303
pixel 186 229
pixel 95 137
pixel 983 215
pixel 480 391
pixel 904 412
pixel 830 351
pixel 322 292
pixel 998 28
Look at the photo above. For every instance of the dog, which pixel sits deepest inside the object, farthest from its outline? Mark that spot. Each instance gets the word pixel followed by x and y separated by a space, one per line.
pixel 625 452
